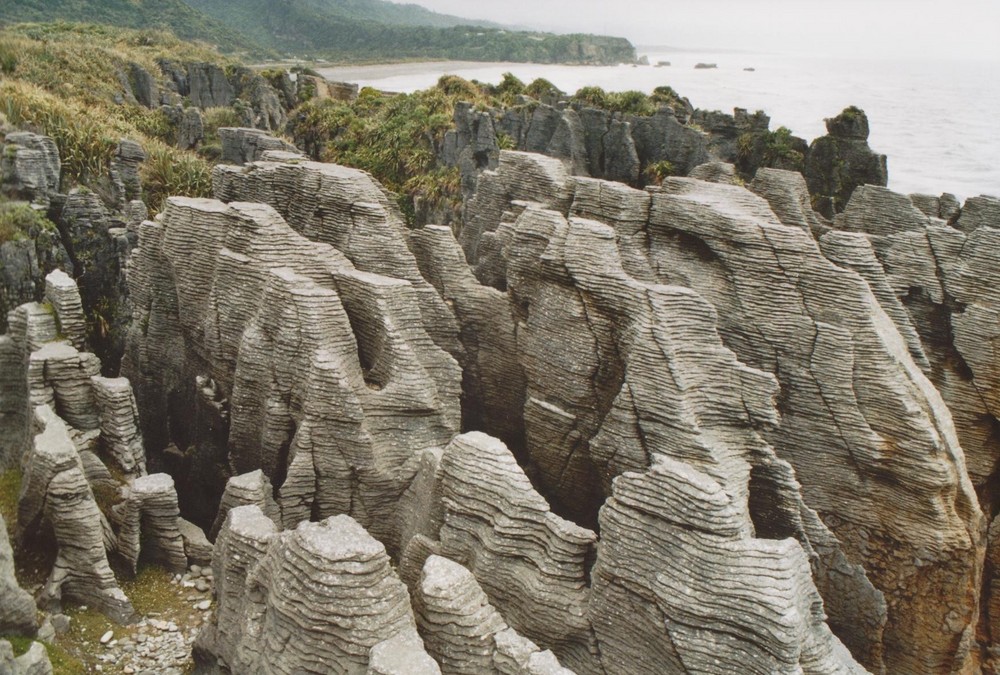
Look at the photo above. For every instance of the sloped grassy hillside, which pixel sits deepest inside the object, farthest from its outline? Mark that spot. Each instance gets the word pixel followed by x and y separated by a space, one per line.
pixel 68 81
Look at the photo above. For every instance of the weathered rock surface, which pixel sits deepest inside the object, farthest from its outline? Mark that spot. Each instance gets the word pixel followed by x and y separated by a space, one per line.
pixel 943 276
pixel 242 145
pixel 659 363
pixel 770 286
pixel 251 488
pixel 505 534
pixel 119 423
pixel 150 519
pixel 24 263
pixel 350 211
pixel 402 654
pixel 18 615
pixel 328 585
pixel 324 375
pixel 29 167
pixel 56 496
pixel 62 293
pixel 462 630
pixel 126 184
pixel 35 661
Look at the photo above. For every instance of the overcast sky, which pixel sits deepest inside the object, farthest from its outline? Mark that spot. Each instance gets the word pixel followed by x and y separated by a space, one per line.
pixel 962 29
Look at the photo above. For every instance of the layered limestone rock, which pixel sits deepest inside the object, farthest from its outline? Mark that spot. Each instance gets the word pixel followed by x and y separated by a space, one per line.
pixel 119 423
pixel 62 294
pixel 29 167
pixel 150 518
pixel 18 615
pixel 892 469
pixel 462 630
pixel 349 210
pixel 402 654
pixel 241 545
pixel 242 145
pixel 944 278
pixel 251 488
pixel 323 375
pixel 56 497
pixel 328 585
pixel 679 587
pixel 126 184
pixel 493 382
pixel 531 563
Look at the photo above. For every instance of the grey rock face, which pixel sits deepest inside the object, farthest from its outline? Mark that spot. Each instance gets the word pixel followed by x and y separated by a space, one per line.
pixel 661 137
pixel 329 584
pixel 89 234
pixel 208 86
pixel 18 615
pixel 729 246
pixel 350 211
pixel 505 534
pixel 197 547
pixel 62 293
pixel 402 654
pixel 944 277
pixel 252 488
pixel 462 631
pixel 493 383
pixel 15 408
pixel 841 161
pixel 35 661
pixel 126 185
pixel 191 129
pixel 29 167
pixel 55 491
pixel 333 381
pixel 149 516
pixel 143 86
pixel 24 263
pixel 119 423
pixel 241 145
pixel 455 617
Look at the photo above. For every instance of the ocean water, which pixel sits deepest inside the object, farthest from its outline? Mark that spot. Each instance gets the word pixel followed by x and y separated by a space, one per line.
pixel 937 121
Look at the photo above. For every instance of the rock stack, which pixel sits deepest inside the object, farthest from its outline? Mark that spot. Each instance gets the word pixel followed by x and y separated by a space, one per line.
pixel 80 420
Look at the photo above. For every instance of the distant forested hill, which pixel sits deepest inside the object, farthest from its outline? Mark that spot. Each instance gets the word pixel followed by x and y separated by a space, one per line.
pixel 333 29
pixel 182 19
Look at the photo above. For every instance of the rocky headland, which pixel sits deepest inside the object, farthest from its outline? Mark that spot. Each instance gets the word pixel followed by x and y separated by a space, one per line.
pixel 741 419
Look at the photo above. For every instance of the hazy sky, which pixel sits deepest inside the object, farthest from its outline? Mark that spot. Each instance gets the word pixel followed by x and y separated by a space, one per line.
pixel 960 29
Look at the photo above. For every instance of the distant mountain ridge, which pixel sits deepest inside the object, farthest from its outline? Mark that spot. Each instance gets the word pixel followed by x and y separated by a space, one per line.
pixel 333 29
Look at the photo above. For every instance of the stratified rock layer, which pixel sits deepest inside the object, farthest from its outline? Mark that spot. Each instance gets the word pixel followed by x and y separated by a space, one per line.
pixel 323 375
pixel 328 586
pixel 892 469
pixel 55 492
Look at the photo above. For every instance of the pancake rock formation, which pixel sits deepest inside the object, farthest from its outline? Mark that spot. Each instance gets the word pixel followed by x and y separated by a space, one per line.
pixel 692 428
pixel 73 435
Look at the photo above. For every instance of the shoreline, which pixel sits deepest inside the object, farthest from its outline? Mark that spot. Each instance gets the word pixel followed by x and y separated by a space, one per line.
pixel 377 71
